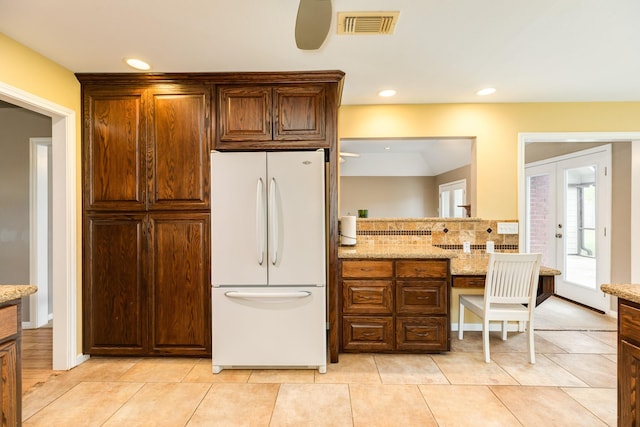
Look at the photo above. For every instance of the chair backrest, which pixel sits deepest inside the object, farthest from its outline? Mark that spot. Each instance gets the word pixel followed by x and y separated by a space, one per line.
pixel 512 278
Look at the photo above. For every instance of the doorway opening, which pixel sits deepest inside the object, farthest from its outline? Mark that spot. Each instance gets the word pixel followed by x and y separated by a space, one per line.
pixel 64 259
pixel 583 138
pixel 568 211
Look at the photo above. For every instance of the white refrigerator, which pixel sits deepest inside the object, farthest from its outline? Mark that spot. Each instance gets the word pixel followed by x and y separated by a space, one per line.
pixel 268 255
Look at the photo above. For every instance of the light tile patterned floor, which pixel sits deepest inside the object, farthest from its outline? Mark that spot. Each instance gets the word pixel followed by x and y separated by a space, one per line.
pixel 573 381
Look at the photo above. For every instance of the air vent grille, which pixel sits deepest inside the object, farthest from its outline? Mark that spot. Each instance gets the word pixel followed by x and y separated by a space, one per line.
pixel 367 22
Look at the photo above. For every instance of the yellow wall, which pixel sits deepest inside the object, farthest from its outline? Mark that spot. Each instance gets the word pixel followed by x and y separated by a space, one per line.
pixel 496 127
pixel 27 70
pixel 24 69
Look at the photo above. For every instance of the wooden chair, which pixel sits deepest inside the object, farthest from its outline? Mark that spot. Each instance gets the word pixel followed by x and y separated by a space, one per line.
pixel 509 295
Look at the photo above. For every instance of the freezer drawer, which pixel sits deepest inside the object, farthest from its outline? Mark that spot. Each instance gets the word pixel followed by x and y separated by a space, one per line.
pixel 269 327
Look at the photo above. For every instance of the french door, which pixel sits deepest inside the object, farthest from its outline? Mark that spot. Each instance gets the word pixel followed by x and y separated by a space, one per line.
pixel 568 210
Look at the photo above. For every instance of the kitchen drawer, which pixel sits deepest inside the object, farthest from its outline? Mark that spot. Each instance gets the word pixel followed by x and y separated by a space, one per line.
pixel 468 281
pixel 629 319
pixel 8 321
pixel 375 269
pixel 367 333
pixel 423 269
pixel 422 334
pixel 367 297
pixel 422 297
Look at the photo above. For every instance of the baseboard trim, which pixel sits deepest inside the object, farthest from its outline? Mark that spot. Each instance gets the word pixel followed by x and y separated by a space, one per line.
pixel 81 358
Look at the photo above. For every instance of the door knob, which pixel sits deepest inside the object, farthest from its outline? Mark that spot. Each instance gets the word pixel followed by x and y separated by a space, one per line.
pixel 559 235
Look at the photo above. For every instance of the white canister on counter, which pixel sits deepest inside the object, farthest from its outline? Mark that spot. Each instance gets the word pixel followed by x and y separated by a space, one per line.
pixel 348 230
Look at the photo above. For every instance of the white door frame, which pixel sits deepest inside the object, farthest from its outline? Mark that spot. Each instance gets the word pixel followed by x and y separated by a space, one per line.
pixel 39 152
pixel 634 137
pixel 64 219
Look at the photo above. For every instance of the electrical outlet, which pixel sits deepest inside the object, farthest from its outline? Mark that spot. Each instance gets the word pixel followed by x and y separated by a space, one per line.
pixel 507 228
pixel 490 247
pixel 466 247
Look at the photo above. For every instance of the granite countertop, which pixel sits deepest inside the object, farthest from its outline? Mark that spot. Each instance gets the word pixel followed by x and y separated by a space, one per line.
pixel 476 264
pixel 629 292
pixel 393 251
pixel 461 264
pixel 11 292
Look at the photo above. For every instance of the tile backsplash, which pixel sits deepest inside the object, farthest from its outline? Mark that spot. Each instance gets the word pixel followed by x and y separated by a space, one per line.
pixel 449 233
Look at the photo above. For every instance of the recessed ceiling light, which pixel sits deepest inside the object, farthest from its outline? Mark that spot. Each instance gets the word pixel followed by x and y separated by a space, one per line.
pixel 486 91
pixel 138 64
pixel 387 148
pixel 387 92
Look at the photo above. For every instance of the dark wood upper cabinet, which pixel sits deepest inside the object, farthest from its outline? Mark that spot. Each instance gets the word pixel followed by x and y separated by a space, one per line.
pixel 267 117
pixel 114 149
pixel 299 113
pixel 244 113
pixel 146 148
pixel 179 148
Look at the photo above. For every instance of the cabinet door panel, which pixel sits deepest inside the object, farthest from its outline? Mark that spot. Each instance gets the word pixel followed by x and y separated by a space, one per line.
pixel 181 289
pixel 367 333
pixel 299 113
pixel 179 148
pixel 367 296
pixel 114 297
pixel 422 297
pixel 244 114
pixel 10 386
pixel 114 150
pixel 628 384
pixel 422 334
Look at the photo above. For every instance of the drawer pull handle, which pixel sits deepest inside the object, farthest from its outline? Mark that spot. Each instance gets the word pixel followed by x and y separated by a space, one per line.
pixel 422 334
pixel 368 334
pixel 423 298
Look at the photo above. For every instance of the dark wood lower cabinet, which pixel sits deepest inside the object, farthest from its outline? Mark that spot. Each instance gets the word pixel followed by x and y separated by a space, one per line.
pixel 115 285
pixel 10 363
pixel 394 305
pixel 628 363
pixel 180 286
pixel 146 284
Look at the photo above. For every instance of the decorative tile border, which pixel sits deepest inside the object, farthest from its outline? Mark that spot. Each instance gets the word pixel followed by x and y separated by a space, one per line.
pixel 393 232
pixel 447 233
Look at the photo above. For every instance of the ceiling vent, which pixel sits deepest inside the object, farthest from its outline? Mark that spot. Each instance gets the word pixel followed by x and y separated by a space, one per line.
pixel 367 22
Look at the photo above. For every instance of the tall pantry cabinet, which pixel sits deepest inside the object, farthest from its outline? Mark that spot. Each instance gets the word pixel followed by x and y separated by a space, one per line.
pixel 146 218
pixel 146 212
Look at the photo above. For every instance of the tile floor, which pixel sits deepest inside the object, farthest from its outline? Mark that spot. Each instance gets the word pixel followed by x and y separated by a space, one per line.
pixel 572 383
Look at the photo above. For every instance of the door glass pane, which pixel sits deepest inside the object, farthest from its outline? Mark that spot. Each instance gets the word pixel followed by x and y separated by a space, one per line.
pixel 458 201
pixel 579 226
pixel 445 204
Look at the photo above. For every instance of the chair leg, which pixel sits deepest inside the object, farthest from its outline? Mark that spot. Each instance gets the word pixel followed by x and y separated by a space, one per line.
pixel 485 340
pixel 530 343
pixel 504 330
pixel 460 321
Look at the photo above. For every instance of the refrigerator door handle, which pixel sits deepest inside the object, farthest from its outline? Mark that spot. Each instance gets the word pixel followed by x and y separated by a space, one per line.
pixel 267 296
pixel 273 220
pixel 260 212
